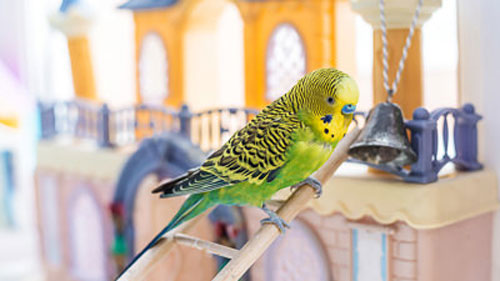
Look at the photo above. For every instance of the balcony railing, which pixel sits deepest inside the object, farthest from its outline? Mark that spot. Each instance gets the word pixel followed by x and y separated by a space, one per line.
pixel 430 132
pixel 431 139
pixel 124 126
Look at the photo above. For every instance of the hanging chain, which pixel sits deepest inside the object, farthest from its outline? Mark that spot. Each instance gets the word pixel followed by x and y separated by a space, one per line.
pixel 391 91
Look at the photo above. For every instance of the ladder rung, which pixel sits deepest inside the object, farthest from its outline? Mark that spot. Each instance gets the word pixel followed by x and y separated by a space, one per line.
pixel 210 247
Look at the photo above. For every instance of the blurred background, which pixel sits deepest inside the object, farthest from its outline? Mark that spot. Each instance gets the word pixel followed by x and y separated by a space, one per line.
pixel 137 63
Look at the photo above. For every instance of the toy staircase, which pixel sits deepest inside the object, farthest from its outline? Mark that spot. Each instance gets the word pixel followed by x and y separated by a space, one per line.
pixel 241 260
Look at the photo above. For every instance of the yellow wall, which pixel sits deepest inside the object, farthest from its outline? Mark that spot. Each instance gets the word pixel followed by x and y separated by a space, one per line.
pixel 81 67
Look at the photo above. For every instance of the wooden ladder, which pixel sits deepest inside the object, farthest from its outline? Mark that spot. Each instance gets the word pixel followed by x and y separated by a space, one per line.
pixel 241 260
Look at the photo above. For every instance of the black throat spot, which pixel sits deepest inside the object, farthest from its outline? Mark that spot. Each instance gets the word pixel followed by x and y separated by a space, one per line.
pixel 327 119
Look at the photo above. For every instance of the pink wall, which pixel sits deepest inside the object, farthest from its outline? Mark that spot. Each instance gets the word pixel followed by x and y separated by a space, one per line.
pixel 459 252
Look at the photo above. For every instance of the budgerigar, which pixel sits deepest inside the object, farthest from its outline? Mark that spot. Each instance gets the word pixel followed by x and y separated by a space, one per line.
pixel 282 146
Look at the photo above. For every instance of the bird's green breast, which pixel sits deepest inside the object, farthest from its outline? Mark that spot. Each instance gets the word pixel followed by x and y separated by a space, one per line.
pixel 304 157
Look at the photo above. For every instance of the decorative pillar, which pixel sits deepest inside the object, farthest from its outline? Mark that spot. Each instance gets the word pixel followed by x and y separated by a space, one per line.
pixel 74 20
pixel 398 14
pixel 254 63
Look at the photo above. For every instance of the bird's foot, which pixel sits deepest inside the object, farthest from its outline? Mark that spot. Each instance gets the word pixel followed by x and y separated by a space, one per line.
pixel 273 218
pixel 312 182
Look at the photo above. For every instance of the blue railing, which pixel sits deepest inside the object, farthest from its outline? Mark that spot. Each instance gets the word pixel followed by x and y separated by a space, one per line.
pixel 428 137
pixel 124 126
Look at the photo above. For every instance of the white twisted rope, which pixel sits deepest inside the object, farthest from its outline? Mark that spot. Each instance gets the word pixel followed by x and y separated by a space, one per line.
pixel 392 90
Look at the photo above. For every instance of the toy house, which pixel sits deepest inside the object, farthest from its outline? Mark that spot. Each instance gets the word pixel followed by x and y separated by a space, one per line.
pixel 396 231
pixel 96 165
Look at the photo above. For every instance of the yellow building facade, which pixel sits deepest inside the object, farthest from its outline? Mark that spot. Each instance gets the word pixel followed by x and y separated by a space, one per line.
pixel 269 29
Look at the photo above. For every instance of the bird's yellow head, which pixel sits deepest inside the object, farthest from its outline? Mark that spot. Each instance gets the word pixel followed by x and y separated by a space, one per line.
pixel 326 100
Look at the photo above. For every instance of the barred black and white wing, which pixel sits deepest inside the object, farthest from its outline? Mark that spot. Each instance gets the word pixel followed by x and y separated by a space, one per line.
pixel 254 154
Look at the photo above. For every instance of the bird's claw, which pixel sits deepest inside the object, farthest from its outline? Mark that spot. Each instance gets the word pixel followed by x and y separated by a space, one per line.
pixel 280 223
pixel 314 183
pixel 273 218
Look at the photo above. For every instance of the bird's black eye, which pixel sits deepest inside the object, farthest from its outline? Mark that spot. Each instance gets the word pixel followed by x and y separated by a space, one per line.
pixel 330 100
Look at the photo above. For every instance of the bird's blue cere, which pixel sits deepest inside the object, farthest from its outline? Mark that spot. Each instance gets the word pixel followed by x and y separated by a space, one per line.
pixel 348 108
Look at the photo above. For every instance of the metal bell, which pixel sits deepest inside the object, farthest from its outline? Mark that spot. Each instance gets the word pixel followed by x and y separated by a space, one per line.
pixel 383 140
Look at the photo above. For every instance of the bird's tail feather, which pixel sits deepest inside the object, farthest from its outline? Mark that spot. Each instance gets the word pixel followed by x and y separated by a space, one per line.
pixel 192 207
pixel 167 185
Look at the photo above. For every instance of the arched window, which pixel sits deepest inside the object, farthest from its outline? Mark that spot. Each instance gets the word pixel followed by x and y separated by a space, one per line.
pixel 86 237
pixel 285 62
pixel 153 70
